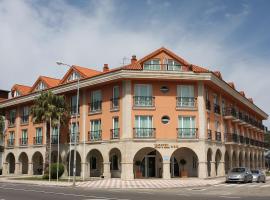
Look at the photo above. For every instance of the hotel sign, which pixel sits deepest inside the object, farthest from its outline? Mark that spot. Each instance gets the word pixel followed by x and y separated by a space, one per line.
pixel 166 146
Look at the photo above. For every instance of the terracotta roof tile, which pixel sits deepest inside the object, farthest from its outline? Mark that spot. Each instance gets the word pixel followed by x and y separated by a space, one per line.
pixel 51 82
pixel 23 89
pixel 86 72
pixel 198 69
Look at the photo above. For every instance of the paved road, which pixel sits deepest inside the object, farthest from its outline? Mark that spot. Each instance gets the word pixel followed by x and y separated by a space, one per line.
pixel 252 191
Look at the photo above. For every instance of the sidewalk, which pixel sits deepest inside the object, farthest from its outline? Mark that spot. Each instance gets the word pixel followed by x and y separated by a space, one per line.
pixel 121 184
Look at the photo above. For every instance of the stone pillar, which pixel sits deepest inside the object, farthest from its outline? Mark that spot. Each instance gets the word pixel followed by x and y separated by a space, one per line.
pixel 106 172
pixel 127 171
pixel 18 170
pixel 221 169
pixel 30 169
pixel 5 168
pixel 213 169
pixel 203 170
pixel 85 172
pixel 126 110
pixel 166 170
pixel 201 110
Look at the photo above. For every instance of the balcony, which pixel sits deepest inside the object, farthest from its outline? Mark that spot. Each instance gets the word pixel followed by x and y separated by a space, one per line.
pixel 242 139
pixel 231 138
pixel 143 101
pixel 54 139
pixel 94 135
pixel 24 120
pixel 218 136
pixel 187 133
pixel 71 138
pixel 11 123
pixel 10 142
pixel 115 103
pixel 144 133
pixel 209 134
pixel 247 140
pixel 23 141
pixel 162 67
pixel 208 105
pixel 115 133
pixel 185 102
pixel 216 109
pixel 95 107
pixel 38 140
pixel 229 113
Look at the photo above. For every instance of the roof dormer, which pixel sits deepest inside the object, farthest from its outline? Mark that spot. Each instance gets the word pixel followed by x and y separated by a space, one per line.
pixel 19 90
pixel 41 86
pixel 44 82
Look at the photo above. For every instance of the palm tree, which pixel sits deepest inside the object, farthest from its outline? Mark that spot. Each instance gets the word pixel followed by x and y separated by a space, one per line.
pixel 48 108
pixel 2 124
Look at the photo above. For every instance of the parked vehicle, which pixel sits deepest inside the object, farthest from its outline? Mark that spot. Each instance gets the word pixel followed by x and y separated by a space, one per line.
pixel 258 176
pixel 239 174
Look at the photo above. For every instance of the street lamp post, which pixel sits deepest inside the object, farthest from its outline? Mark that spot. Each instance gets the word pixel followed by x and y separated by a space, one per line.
pixel 77 128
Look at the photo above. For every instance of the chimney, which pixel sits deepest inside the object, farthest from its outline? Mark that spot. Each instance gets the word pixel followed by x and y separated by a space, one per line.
pixel 106 68
pixel 133 59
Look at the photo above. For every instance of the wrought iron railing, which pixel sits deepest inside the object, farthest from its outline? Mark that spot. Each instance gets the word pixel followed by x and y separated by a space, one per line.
pixel 187 133
pixel 144 132
pixel 144 101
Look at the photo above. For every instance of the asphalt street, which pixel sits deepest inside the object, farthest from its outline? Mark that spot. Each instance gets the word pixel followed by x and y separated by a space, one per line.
pixel 251 191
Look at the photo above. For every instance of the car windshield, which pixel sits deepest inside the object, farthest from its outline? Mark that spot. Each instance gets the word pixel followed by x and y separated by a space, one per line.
pixel 255 171
pixel 238 170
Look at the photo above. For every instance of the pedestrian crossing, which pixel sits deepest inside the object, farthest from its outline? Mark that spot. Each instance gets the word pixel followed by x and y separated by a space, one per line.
pixel 248 185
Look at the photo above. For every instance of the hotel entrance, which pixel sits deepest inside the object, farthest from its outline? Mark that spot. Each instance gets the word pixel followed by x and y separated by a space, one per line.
pixel 148 164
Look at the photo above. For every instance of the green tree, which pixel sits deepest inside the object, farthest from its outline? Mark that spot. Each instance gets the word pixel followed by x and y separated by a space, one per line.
pixel 2 124
pixel 48 108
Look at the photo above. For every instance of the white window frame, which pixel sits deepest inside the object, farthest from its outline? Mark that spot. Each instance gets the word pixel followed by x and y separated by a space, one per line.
pixel 191 133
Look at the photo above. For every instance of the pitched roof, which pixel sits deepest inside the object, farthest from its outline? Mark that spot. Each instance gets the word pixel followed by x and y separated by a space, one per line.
pixel 50 82
pixel 83 71
pixel 23 89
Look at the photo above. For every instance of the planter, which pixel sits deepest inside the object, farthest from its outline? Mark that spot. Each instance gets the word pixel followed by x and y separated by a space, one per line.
pixel 184 173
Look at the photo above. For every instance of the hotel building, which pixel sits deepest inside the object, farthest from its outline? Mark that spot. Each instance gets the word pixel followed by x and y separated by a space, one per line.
pixel 157 117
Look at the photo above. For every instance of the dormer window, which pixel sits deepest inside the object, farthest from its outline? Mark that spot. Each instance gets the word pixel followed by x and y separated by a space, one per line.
pixel 73 76
pixel 41 86
pixel 16 93
pixel 153 64
pixel 173 65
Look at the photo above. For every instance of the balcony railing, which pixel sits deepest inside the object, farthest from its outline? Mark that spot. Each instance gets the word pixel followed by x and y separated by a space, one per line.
pixel 187 133
pixel 10 142
pixel 216 108
pixel 208 105
pixel 115 103
pixel 37 140
pixel 54 139
pixel 11 123
pixel 144 101
pixel 144 132
pixel 247 140
pixel 231 137
pixel 71 137
pixel 186 102
pixel 115 133
pixel 95 106
pixel 94 135
pixel 209 134
pixel 23 141
pixel 162 67
pixel 242 139
pixel 230 112
pixel 218 136
pixel 25 119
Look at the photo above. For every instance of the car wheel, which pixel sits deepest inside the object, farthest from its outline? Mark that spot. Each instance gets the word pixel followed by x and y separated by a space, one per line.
pixel 258 180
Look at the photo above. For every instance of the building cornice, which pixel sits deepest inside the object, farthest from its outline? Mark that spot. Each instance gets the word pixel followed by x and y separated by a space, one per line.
pixel 138 74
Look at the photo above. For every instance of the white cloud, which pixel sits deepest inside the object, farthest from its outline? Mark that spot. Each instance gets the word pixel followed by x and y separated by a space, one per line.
pixel 34 36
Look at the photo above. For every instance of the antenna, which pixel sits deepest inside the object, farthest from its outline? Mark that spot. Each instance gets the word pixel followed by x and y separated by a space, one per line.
pixel 124 60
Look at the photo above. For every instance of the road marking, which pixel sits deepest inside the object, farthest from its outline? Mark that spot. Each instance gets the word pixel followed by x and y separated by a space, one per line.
pixel 228 197
pixel 58 193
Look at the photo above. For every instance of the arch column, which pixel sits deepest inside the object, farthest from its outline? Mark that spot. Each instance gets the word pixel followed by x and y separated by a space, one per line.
pixel 166 170
pixel 221 168
pixel 127 171
pixel 17 168
pixel 203 169
pixel 85 170
pixel 106 170
pixel 30 168
pixel 213 168
pixel 5 168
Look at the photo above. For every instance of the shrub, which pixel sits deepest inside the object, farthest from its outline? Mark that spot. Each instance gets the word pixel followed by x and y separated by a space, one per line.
pixel 45 176
pixel 54 170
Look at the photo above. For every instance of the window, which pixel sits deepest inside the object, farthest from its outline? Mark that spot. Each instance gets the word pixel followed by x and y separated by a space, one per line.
pixel 38 139
pixel 16 93
pixel 114 162
pixel 185 96
pixel 186 127
pixel 164 89
pixel 95 131
pixel 11 138
pixel 41 86
pixel 153 64
pixel 223 106
pixel 173 65
pixel 115 133
pixel 144 126
pixel 143 95
pixel 24 137
pixel 73 105
pixel 165 119
pixel 216 99
pixel 12 117
pixel 54 139
pixel 217 126
pixel 25 115
pixel 73 76
pixel 96 101
pixel 216 104
pixel 73 131
pixel 115 99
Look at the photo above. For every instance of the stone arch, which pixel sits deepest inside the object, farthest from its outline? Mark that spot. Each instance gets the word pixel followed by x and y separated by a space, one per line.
pixel 70 164
pixel 95 160
pixel 209 160
pixel 147 163
pixel 227 162
pixel 190 169
pixel 37 160
pixel 234 159
pixel 54 157
pixel 10 159
pixel 115 162
pixel 23 160
pixel 218 159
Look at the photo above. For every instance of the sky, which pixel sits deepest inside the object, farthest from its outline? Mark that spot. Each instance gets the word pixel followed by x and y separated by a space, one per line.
pixel 231 36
